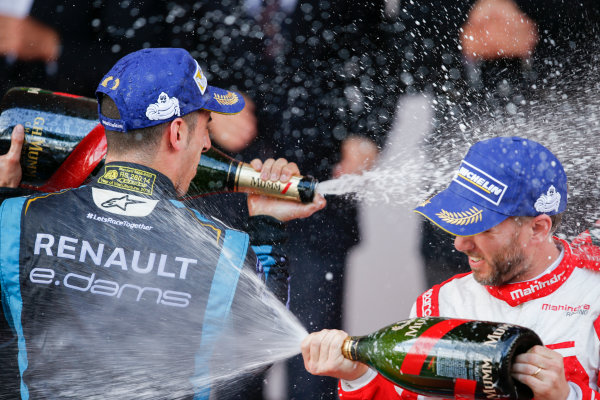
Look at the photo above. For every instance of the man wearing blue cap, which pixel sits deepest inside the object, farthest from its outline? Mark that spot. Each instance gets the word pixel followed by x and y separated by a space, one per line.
pixel 116 289
pixel 503 204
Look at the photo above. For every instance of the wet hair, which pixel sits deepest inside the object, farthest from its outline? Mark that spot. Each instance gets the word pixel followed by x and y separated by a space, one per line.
pixel 144 141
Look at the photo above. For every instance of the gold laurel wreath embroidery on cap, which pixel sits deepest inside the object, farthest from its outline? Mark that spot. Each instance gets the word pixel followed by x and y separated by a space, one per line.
pixel 227 99
pixel 470 216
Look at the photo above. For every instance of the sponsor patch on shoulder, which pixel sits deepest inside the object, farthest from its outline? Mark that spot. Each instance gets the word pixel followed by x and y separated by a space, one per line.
pixel 128 178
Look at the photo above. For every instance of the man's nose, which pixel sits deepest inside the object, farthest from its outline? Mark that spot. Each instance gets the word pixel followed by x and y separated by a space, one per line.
pixel 207 144
pixel 463 243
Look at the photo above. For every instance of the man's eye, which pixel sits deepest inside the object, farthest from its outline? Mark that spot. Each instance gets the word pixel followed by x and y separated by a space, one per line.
pixel 209 119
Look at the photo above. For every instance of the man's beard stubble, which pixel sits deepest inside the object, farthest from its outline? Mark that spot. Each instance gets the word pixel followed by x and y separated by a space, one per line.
pixel 506 266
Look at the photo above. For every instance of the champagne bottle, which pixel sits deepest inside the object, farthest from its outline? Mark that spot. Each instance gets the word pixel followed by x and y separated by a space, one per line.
pixel 446 357
pixel 55 123
pixel 218 172
pixel 64 144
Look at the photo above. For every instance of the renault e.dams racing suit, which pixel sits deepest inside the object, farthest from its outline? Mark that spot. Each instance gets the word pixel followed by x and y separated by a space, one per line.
pixel 118 290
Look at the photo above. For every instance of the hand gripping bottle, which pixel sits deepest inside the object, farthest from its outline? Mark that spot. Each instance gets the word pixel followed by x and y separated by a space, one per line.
pixel 64 144
pixel 218 172
pixel 446 357
pixel 64 141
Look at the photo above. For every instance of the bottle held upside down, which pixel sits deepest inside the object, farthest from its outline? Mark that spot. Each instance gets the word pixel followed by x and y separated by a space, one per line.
pixel 64 144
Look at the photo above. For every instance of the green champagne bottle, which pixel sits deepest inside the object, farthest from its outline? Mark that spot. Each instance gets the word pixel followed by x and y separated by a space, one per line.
pixel 218 172
pixel 447 357
pixel 55 123
pixel 64 144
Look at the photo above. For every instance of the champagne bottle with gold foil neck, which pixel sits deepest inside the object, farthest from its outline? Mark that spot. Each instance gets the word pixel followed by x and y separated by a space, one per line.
pixel 218 172
pixel 445 357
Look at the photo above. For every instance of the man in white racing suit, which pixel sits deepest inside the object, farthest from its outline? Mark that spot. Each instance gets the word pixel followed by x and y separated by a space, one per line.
pixel 503 205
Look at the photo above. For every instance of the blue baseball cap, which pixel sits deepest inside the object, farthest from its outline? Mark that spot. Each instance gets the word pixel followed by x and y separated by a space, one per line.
pixel 152 86
pixel 499 178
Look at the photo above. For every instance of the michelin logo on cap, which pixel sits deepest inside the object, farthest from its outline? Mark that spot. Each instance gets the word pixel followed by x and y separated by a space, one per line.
pixel 480 183
pixel 548 202
pixel 164 108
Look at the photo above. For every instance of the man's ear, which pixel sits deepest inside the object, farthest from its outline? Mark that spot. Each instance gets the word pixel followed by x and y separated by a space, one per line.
pixel 177 134
pixel 541 227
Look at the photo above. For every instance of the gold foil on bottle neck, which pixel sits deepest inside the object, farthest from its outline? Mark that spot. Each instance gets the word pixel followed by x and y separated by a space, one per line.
pixel 248 180
pixel 348 347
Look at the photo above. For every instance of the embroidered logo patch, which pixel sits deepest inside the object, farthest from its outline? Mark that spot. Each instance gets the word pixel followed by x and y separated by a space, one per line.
pixel 122 204
pixel 568 310
pixel 127 178
pixel 115 83
pixel 471 216
pixel 164 108
pixel 549 201
pixel 480 183
pixel 227 99
pixel 200 79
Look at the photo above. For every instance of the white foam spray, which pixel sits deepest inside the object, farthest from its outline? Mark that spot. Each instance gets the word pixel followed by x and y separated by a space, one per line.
pixel 564 119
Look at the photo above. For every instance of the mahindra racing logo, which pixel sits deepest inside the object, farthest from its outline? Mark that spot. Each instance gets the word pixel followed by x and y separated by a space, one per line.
pixel 518 293
pixel 121 202
pixel 426 307
pixel 582 309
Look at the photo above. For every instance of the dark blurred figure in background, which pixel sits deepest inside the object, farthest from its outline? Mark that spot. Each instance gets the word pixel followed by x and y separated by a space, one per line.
pixel 29 48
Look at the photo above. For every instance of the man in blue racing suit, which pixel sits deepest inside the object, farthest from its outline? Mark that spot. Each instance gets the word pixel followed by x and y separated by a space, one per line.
pixel 116 289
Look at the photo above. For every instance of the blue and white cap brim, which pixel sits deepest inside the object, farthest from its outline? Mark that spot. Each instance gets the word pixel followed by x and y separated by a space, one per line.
pixel 458 215
pixel 222 101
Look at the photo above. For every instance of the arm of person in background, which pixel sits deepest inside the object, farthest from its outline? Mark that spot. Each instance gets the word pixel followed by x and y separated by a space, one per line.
pixel 234 132
pixel 498 29
pixel 358 154
pixel 27 39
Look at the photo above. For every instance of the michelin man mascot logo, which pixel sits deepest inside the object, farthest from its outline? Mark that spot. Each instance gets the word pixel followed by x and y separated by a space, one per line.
pixel 549 201
pixel 164 108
